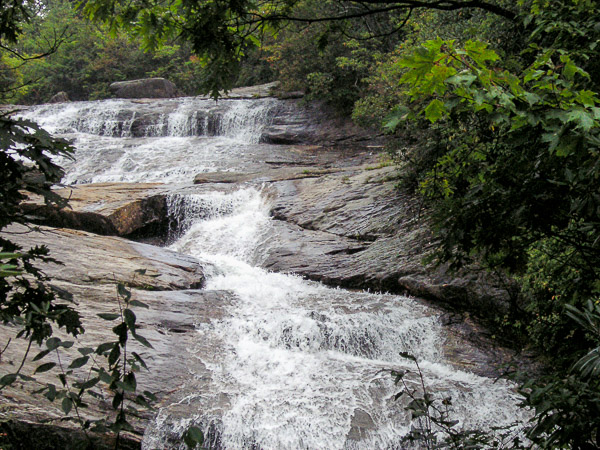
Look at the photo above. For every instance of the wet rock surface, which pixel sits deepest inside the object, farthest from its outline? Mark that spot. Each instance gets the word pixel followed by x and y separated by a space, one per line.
pixel 299 122
pixel 113 209
pixel 353 229
pixel 92 266
pixel 144 88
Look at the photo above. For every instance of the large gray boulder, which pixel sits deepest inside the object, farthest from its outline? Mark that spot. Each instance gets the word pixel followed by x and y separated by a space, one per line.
pixel 144 88
pixel 61 97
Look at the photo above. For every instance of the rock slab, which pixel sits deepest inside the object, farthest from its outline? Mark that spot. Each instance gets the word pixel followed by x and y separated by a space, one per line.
pixel 144 88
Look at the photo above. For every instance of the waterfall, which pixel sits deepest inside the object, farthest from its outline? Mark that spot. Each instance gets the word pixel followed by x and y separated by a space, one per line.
pixel 293 364
pixel 241 120
pixel 165 141
pixel 302 359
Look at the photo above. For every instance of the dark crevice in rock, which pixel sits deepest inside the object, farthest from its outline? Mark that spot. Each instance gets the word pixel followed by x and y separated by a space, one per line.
pixel 347 251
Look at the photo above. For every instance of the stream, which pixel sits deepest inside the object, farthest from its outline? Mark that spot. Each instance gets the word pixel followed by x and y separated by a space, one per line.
pixel 293 364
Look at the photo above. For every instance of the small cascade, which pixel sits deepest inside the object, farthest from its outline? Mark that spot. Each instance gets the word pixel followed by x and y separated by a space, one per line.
pixel 241 120
pixel 164 141
pixel 302 361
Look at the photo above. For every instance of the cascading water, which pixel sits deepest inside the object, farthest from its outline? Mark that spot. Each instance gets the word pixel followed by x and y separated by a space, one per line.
pixel 167 141
pixel 295 364
pixel 302 360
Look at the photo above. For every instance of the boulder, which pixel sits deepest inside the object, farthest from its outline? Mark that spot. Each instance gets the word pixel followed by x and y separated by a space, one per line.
pixel 352 228
pixel 144 88
pixel 92 266
pixel 61 97
pixel 113 209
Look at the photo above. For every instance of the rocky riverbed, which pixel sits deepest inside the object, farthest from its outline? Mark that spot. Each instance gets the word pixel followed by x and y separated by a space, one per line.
pixel 336 218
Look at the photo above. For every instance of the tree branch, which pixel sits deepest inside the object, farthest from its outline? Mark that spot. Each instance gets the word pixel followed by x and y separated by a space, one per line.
pixel 442 5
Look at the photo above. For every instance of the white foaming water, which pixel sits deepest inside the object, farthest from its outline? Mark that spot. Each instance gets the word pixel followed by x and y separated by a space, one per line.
pixel 166 141
pixel 304 360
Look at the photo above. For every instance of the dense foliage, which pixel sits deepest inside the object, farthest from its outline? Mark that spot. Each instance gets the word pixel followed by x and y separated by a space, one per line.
pixel 511 176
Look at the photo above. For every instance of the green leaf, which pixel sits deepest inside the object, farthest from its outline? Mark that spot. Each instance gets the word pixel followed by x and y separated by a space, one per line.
pixel 123 292
pixel 142 340
pixel 51 393
pixel 114 355
pixel 105 377
pixel 138 303
pixel 5 255
pixel 45 367
pixel 79 362
pixel 40 355
pixel 85 350
pixel 139 359
pixel 8 379
pixel 109 316
pixel 435 110
pixel 53 343
pixel 26 377
pixel 584 119
pixel 480 53
pixel 117 399
pixel 532 98
pixel 104 347
pixel 407 356
pixel 88 384
pixel 465 78
pixel 129 319
pixel 150 396
pixel 67 403
pixel 129 383
pixel 587 98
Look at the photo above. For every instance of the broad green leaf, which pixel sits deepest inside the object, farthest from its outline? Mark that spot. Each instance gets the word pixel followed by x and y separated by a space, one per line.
pixel 123 292
pixel 8 379
pixel 85 350
pixel 88 384
pixel 532 98
pixel 435 110
pixel 53 343
pixel 79 362
pixel 193 437
pixel 142 340
pixel 480 53
pixel 138 304
pixel 129 319
pixel 464 78
pixel 109 316
pixel 587 98
pixel 40 355
pixel 139 359
pixel 67 403
pixel 114 355
pixel 45 367
pixel 584 119
pixel 104 347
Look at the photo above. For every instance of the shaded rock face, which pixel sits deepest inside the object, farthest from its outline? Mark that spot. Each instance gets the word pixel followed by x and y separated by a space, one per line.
pixel 295 122
pixel 112 209
pixel 144 88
